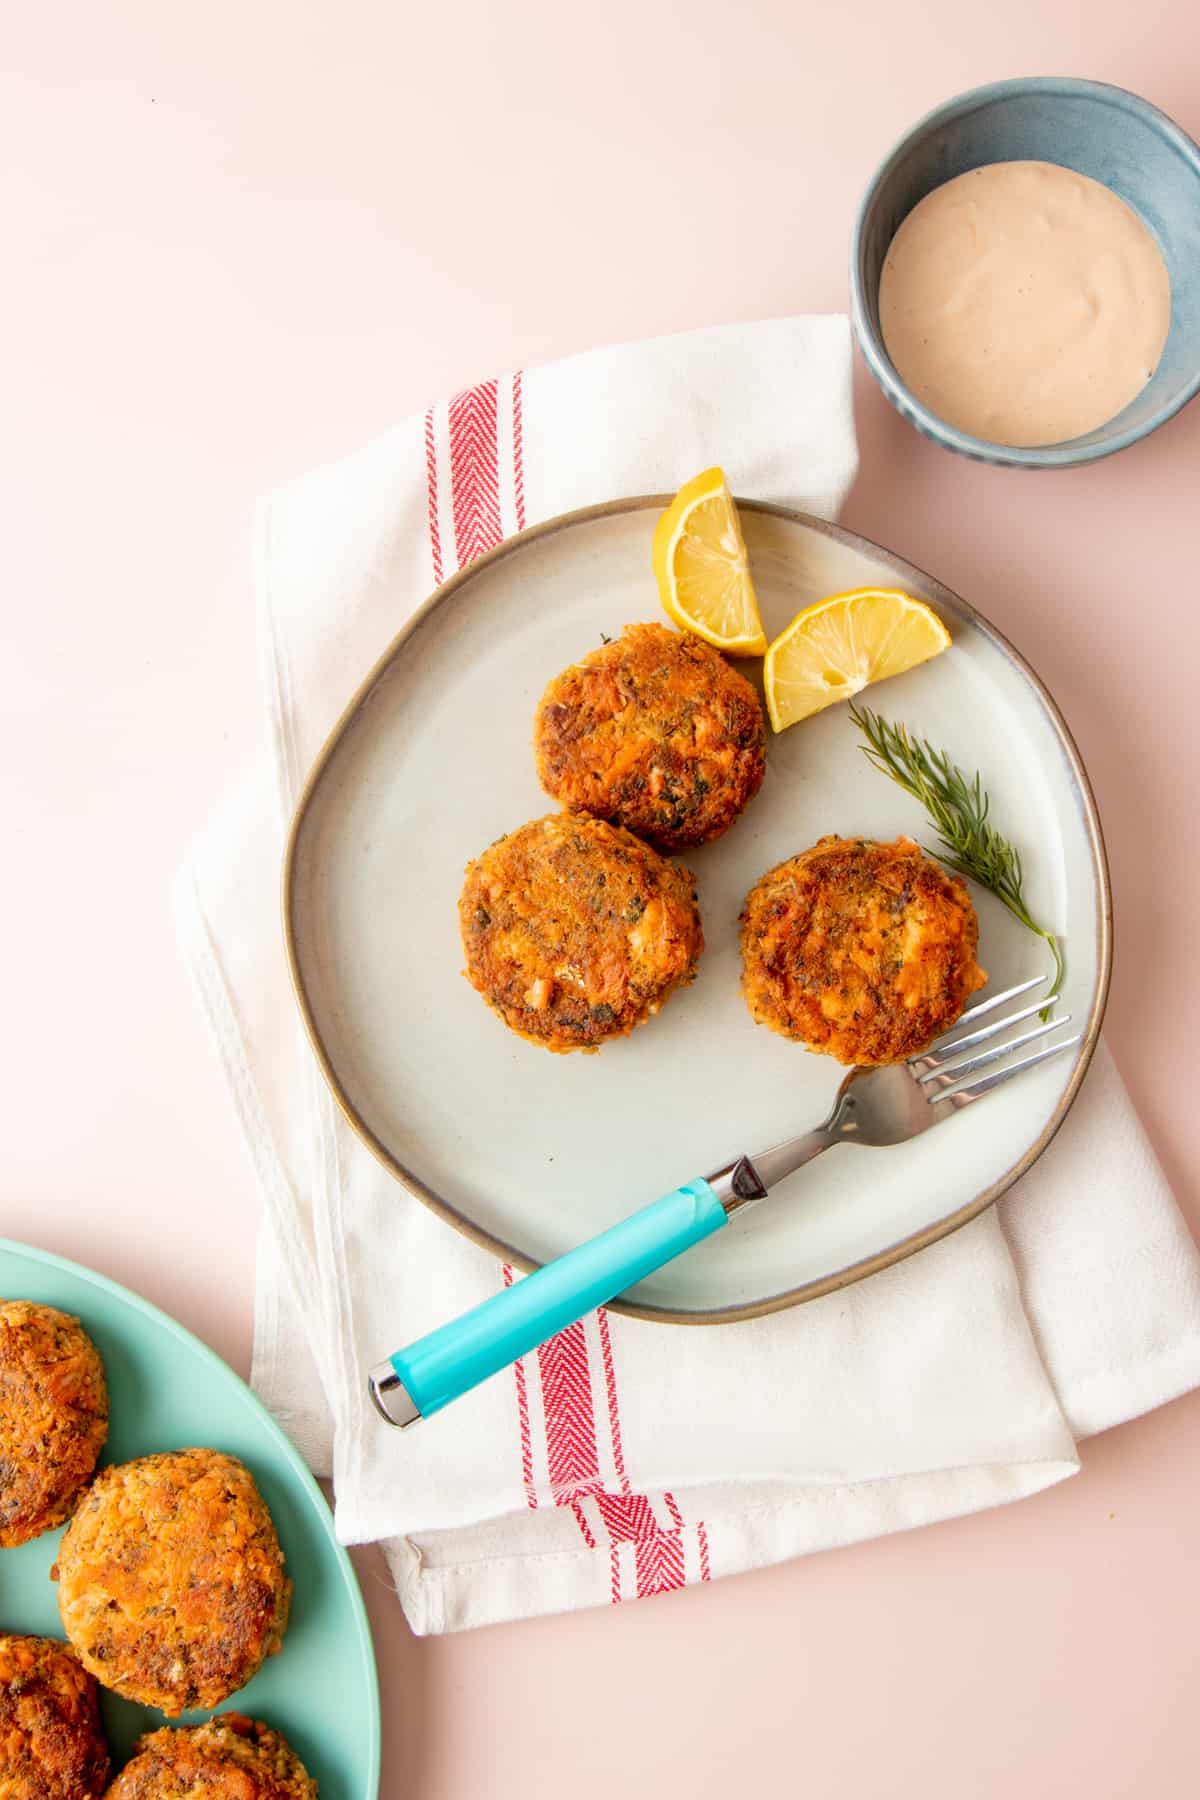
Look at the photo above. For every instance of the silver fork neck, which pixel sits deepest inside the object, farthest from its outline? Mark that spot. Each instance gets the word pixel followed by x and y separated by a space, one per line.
pixel 775 1165
pixel 749 1179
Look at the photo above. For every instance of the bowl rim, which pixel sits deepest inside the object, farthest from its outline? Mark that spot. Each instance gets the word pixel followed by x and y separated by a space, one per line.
pixel 1048 456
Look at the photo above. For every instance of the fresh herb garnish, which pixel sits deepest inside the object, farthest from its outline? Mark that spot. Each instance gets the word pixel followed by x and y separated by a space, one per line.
pixel 957 807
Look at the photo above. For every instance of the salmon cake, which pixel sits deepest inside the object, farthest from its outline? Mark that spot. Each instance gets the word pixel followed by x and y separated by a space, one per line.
pixel 53 1417
pixel 171 1583
pixel 575 932
pixel 859 950
pixel 51 1743
pixel 227 1758
pixel 656 732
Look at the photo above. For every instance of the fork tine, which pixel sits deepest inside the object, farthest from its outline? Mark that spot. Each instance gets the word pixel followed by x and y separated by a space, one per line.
pixel 963 1096
pixel 942 1052
pixel 994 1000
pixel 942 1077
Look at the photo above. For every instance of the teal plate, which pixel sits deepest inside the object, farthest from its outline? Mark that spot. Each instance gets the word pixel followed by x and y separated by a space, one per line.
pixel 167 1390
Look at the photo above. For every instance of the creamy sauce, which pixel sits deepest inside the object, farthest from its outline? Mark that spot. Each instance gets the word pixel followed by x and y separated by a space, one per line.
pixel 1024 303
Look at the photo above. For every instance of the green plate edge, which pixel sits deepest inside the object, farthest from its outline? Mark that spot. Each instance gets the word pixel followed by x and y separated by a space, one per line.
pixel 345 1768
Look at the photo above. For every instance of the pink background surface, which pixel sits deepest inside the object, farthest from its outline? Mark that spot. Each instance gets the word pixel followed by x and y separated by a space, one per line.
pixel 239 239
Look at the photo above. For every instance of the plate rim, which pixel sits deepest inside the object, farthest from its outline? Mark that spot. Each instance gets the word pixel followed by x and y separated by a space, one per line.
pixel 308 1482
pixel 865 1266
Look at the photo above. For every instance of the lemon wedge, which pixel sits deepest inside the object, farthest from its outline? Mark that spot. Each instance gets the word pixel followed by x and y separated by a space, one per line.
pixel 834 649
pixel 702 570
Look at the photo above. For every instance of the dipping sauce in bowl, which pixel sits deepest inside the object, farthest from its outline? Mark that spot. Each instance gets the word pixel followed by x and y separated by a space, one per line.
pixel 1024 303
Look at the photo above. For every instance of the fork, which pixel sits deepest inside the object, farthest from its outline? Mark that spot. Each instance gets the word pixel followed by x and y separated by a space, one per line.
pixel 874 1106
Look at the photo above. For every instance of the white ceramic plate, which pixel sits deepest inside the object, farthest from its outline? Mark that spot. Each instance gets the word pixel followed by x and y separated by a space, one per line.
pixel 531 1153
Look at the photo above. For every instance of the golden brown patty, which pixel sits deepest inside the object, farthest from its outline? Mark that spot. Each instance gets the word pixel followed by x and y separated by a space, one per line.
pixel 227 1758
pixel 656 732
pixel 53 1417
pixel 575 932
pixel 171 1582
pixel 51 1743
pixel 863 951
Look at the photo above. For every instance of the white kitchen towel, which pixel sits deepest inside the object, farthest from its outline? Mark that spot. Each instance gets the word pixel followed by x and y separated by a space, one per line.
pixel 953 1381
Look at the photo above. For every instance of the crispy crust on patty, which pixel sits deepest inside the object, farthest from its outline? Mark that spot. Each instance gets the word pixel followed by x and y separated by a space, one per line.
pixel 53 1417
pixel 656 732
pixel 860 950
pixel 51 1743
pixel 227 1758
pixel 171 1580
pixel 575 932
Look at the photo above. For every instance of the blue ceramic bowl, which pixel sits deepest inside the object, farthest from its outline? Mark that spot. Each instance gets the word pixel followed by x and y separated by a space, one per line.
pixel 1097 130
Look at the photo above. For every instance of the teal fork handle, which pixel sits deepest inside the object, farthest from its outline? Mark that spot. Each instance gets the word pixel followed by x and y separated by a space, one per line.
pixel 456 1357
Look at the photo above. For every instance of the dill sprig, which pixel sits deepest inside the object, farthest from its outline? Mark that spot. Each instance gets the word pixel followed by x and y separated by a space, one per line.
pixel 957 807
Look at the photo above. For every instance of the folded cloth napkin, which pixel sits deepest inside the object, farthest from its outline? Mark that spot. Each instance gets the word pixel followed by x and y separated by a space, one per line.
pixel 955 1380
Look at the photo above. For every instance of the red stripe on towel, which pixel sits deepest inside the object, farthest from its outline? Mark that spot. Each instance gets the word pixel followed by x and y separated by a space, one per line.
pixel 610 1388
pixel 431 486
pixel 475 471
pixel 518 451
pixel 658 1562
pixel 523 1415
pixel 572 1452
pixel 660 1569
pixel 581 1521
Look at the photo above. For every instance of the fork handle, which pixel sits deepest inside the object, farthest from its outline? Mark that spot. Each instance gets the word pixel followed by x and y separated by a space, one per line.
pixel 438 1368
